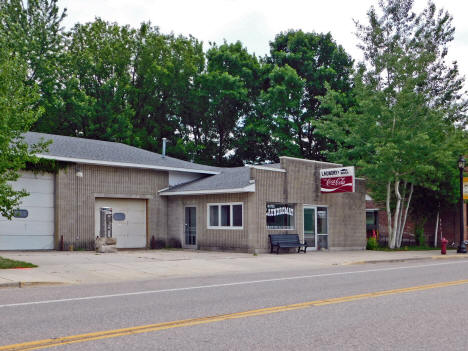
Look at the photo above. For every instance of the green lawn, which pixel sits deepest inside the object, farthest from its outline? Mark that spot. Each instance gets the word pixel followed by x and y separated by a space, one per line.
pixel 6 263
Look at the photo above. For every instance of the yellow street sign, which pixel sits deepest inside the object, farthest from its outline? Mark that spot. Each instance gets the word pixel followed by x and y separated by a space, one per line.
pixel 465 188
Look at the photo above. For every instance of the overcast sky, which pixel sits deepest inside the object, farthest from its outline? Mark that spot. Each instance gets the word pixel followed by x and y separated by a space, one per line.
pixel 255 22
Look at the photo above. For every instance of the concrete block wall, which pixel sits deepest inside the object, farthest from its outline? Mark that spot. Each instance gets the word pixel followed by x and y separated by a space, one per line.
pixel 75 198
pixel 300 185
pixel 214 239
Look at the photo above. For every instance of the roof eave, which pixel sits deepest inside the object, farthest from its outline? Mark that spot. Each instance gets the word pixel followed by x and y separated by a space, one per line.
pixel 247 189
pixel 123 164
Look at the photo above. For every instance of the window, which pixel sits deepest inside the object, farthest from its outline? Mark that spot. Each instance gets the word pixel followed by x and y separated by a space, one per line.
pixel 119 216
pixel 225 216
pixel 21 213
pixel 280 216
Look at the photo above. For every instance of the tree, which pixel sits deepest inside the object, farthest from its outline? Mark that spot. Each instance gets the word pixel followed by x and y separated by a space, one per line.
pixel 98 82
pixel 164 92
pixel 283 102
pixel 401 131
pixel 318 61
pixel 18 112
pixel 224 97
pixel 33 33
pixel 234 60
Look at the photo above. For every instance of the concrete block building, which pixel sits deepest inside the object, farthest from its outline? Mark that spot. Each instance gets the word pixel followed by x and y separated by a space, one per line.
pixel 156 196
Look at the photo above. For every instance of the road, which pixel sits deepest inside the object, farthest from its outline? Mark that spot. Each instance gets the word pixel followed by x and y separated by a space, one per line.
pixel 388 306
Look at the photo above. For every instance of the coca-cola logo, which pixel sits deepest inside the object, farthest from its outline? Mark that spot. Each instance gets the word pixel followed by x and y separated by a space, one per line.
pixel 335 182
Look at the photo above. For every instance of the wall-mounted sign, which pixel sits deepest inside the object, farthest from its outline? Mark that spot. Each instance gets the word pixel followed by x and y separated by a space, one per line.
pixel 273 211
pixel 337 180
pixel 465 188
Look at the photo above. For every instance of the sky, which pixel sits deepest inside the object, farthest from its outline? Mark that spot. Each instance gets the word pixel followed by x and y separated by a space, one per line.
pixel 256 22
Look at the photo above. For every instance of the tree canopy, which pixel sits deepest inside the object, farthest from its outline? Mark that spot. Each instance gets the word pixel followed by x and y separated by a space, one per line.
pixel 405 126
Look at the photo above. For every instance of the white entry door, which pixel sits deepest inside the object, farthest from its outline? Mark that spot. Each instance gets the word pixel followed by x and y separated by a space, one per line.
pixel 128 221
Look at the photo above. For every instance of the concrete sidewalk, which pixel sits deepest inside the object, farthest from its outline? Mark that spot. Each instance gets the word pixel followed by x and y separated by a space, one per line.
pixel 88 267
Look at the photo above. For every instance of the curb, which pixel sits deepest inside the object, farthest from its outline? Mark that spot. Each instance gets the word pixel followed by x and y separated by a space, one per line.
pixel 28 284
pixel 392 260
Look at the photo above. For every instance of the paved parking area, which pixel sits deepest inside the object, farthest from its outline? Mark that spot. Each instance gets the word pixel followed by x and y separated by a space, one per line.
pixel 88 267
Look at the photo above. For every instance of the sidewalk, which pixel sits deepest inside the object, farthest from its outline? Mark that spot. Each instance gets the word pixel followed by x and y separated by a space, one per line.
pixel 88 267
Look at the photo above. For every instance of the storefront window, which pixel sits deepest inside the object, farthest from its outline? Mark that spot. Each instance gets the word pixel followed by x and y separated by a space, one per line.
pixel 225 216
pixel 280 216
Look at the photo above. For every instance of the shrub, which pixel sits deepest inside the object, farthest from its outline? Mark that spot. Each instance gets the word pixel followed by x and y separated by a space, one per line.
pixel 174 243
pixel 372 243
pixel 157 243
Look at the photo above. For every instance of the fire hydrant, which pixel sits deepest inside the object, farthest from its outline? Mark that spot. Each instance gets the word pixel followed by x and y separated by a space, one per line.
pixel 443 246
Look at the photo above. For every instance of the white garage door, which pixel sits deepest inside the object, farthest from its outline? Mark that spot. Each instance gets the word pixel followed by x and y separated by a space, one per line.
pixel 33 228
pixel 128 221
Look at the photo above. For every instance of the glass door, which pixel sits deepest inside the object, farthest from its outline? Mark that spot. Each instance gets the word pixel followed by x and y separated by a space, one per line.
pixel 309 227
pixel 190 227
pixel 316 227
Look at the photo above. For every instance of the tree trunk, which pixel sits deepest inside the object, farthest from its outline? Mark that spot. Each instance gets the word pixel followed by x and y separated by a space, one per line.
pixel 399 230
pixel 395 217
pixel 402 229
pixel 436 229
pixel 389 214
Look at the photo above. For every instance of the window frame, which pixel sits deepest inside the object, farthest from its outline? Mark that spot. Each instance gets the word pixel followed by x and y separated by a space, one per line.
pixel 231 213
pixel 292 205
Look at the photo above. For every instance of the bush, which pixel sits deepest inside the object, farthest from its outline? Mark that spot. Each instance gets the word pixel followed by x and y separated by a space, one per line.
pixel 157 243
pixel 372 243
pixel 174 243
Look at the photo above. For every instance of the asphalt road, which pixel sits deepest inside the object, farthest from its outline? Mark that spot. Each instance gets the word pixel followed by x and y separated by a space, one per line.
pixel 394 306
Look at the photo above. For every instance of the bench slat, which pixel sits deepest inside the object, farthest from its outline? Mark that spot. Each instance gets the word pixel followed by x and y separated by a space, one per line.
pixel 285 241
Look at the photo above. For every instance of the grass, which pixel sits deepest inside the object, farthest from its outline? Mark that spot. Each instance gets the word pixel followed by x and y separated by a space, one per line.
pixel 6 263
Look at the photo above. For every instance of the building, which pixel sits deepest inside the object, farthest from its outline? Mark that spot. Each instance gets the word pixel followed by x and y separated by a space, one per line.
pixel 174 201
pixel 447 225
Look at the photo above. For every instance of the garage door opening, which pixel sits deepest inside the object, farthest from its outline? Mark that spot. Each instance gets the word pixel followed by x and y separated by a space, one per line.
pixel 128 221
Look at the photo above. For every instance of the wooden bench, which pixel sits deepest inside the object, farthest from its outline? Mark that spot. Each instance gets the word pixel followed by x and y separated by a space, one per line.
pixel 285 241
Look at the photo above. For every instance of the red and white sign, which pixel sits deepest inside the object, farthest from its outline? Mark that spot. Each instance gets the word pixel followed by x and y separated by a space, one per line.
pixel 337 180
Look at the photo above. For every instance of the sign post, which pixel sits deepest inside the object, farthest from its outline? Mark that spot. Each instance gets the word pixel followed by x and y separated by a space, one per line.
pixel 337 180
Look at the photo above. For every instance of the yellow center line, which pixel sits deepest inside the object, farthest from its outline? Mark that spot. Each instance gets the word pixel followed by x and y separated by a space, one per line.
pixel 40 344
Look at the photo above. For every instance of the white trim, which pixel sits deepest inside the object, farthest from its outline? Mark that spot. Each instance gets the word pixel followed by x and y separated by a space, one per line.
pixel 267 168
pixel 372 209
pixel 311 161
pixel 122 164
pixel 219 204
pixel 248 189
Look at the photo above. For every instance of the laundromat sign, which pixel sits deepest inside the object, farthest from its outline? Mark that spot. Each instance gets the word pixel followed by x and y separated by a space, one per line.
pixel 337 180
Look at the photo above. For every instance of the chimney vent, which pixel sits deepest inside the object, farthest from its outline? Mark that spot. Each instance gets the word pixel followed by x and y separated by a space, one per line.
pixel 164 147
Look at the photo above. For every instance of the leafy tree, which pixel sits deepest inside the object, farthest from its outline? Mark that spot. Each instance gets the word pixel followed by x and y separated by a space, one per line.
pixel 17 114
pixel 283 102
pixel 33 33
pixel 250 137
pixel 163 93
pixel 317 60
pixel 98 67
pixel 224 97
pixel 400 133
